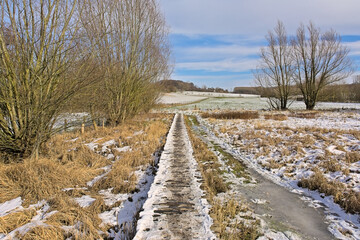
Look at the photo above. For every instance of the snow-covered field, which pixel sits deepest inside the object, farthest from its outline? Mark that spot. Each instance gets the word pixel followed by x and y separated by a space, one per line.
pixel 324 147
pixel 179 98
pixel 217 101
pixel 216 94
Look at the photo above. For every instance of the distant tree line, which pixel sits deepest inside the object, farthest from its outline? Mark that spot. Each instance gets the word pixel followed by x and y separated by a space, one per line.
pixel 307 64
pixel 342 92
pixel 103 57
pixel 178 85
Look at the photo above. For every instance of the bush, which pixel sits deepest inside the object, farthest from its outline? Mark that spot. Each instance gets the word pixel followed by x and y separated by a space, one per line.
pixel 232 115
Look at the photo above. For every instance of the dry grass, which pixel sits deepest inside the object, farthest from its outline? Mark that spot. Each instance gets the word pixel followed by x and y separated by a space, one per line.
pixel 35 180
pixel 277 117
pixel 209 167
pixel 232 115
pixel 330 165
pixel 11 221
pixel 66 162
pixel 41 233
pixel 86 220
pixel 307 114
pixel 223 213
pixel 349 200
pixel 352 157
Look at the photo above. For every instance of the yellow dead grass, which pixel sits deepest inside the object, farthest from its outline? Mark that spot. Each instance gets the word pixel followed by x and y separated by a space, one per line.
pixel 10 222
pixel 66 162
pixel 44 232
pixel 223 213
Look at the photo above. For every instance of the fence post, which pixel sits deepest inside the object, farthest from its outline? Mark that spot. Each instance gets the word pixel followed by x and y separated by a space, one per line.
pixel 65 125
pixel 83 125
pixel 95 125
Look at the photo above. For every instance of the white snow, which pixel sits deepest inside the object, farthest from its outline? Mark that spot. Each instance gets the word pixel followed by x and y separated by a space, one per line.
pixel 110 198
pixel 124 149
pixel 259 201
pixel 174 98
pixel 9 206
pixel 85 201
pixel 107 169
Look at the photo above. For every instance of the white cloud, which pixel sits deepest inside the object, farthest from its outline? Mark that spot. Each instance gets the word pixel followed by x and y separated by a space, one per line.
pixel 217 52
pixel 240 25
pixel 354 48
pixel 256 17
pixel 226 65
pixel 225 81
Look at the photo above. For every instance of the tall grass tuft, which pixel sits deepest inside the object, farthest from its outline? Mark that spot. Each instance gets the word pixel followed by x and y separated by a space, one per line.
pixel 231 115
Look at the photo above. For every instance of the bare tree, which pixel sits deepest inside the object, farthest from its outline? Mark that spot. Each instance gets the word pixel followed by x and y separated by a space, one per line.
pixel 355 89
pixel 133 51
pixel 321 60
pixel 41 67
pixel 275 73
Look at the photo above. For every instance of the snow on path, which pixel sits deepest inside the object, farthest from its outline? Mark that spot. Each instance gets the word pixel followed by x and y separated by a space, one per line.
pixel 175 208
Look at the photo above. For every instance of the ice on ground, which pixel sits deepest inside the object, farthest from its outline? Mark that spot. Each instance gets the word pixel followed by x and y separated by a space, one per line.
pixel 10 205
pixel 85 201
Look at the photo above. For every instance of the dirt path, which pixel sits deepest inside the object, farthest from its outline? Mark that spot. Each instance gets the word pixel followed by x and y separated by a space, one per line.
pixel 281 209
pixel 175 208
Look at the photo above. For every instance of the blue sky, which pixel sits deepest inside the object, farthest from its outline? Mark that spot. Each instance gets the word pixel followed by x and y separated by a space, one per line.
pixel 216 42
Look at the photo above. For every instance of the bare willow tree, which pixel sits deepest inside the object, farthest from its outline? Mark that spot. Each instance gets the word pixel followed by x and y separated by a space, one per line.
pixel 133 51
pixel 321 60
pixel 41 67
pixel 274 75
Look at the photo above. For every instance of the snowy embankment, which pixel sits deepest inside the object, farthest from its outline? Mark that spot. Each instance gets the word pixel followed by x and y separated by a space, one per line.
pixel 118 169
pixel 176 207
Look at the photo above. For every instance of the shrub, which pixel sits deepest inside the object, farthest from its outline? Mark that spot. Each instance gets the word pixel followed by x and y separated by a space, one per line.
pixel 232 115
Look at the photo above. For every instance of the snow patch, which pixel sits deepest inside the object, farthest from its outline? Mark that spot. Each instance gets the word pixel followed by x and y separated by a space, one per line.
pixel 85 201
pixel 10 205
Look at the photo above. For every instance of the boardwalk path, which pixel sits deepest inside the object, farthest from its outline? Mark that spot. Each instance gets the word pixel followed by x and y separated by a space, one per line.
pixel 176 208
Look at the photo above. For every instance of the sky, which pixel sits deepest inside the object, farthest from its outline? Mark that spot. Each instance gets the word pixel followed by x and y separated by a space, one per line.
pixel 216 43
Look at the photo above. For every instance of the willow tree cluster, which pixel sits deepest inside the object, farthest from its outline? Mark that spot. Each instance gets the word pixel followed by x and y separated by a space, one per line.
pixel 111 52
pixel 305 63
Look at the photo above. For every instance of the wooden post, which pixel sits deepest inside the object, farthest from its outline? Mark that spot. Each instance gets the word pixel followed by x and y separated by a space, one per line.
pixel 83 128
pixel 103 123
pixel 95 125
pixel 65 125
